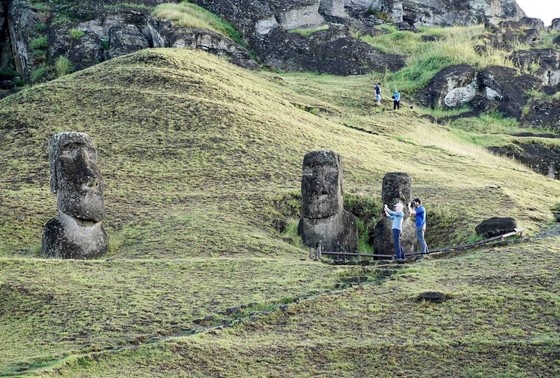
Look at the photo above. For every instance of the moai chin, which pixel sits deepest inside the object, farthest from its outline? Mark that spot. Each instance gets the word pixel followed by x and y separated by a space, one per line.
pixel 396 187
pixel 76 231
pixel 324 219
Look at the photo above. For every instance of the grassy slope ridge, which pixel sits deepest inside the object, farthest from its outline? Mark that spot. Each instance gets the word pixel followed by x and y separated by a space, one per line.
pixel 196 153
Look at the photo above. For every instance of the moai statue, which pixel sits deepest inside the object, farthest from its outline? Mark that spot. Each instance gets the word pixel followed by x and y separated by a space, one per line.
pixel 323 218
pixel 76 231
pixel 396 187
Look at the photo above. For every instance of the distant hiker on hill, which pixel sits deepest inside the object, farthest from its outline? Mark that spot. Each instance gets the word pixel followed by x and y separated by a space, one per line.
pixel 396 99
pixel 397 217
pixel 378 94
pixel 416 208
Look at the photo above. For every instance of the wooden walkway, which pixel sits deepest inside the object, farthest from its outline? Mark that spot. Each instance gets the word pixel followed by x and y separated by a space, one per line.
pixel 316 254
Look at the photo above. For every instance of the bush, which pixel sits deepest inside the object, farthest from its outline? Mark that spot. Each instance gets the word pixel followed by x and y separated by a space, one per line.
pixel 40 74
pixel 39 43
pixel 76 33
pixel 63 66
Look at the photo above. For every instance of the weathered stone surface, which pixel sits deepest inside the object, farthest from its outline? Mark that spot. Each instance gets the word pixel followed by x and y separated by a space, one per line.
pixel 543 114
pixel 206 40
pixel 452 87
pixel 23 23
pixel 396 187
pixel 76 232
pixel 125 39
pixel 540 158
pixel 446 13
pixel 495 226
pixel 555 25
pixel 324 219
pixel 494 88
pixel 506 35
pixel 547 61
pixel 332 51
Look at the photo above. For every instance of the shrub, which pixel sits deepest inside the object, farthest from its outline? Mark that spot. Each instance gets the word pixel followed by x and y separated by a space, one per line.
pixel 39 43
pixel 40 74
pixel 76 33
pixel 7 74
pixel 63 66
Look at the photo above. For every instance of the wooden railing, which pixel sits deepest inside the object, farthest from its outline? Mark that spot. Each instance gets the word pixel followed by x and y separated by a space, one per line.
pixel 317 253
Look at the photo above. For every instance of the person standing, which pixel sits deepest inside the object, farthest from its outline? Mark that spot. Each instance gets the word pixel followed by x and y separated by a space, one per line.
pixel 378 94
pixel 396 99
pixel 397 217
pixel 416 209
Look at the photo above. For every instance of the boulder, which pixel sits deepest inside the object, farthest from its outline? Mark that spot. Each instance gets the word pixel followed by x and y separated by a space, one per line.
pixel 493 88
pixel 452 87
pixel 555 25
pixel 495 226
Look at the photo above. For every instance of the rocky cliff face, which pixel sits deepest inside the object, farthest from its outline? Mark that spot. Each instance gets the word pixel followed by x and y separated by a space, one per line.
pixel 34 35
pixel 39 39
pixel 446 12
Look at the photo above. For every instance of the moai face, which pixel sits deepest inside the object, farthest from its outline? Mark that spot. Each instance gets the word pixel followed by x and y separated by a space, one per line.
pixel 75 176
pixel 321 184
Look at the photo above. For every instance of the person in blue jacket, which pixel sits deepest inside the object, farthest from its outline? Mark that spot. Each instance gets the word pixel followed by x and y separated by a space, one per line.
pixel 396 99
pixel 397 217
pixel 419 212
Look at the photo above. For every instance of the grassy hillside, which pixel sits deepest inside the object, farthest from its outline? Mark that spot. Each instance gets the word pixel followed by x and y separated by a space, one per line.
pixel 202 162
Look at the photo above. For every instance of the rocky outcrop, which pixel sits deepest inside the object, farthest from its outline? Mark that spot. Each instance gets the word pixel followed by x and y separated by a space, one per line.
pixel 332 51
pixel 492 89
pixel 545 64
pixel 24 37
pixel 507 35
pixel 33 39
pixel 540 158
pixel 445 13
pixel 543 114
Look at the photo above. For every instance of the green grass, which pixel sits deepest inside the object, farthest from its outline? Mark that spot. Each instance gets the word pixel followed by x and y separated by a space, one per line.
pixel 186 14
pixel 202 165
pixel 425 59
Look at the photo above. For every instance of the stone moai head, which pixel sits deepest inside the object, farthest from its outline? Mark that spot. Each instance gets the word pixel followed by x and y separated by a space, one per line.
pixel 75 176
pixel 321 184
pixel 396 187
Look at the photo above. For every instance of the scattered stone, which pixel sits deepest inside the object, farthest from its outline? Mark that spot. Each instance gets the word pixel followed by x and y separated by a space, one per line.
pixel 432 296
